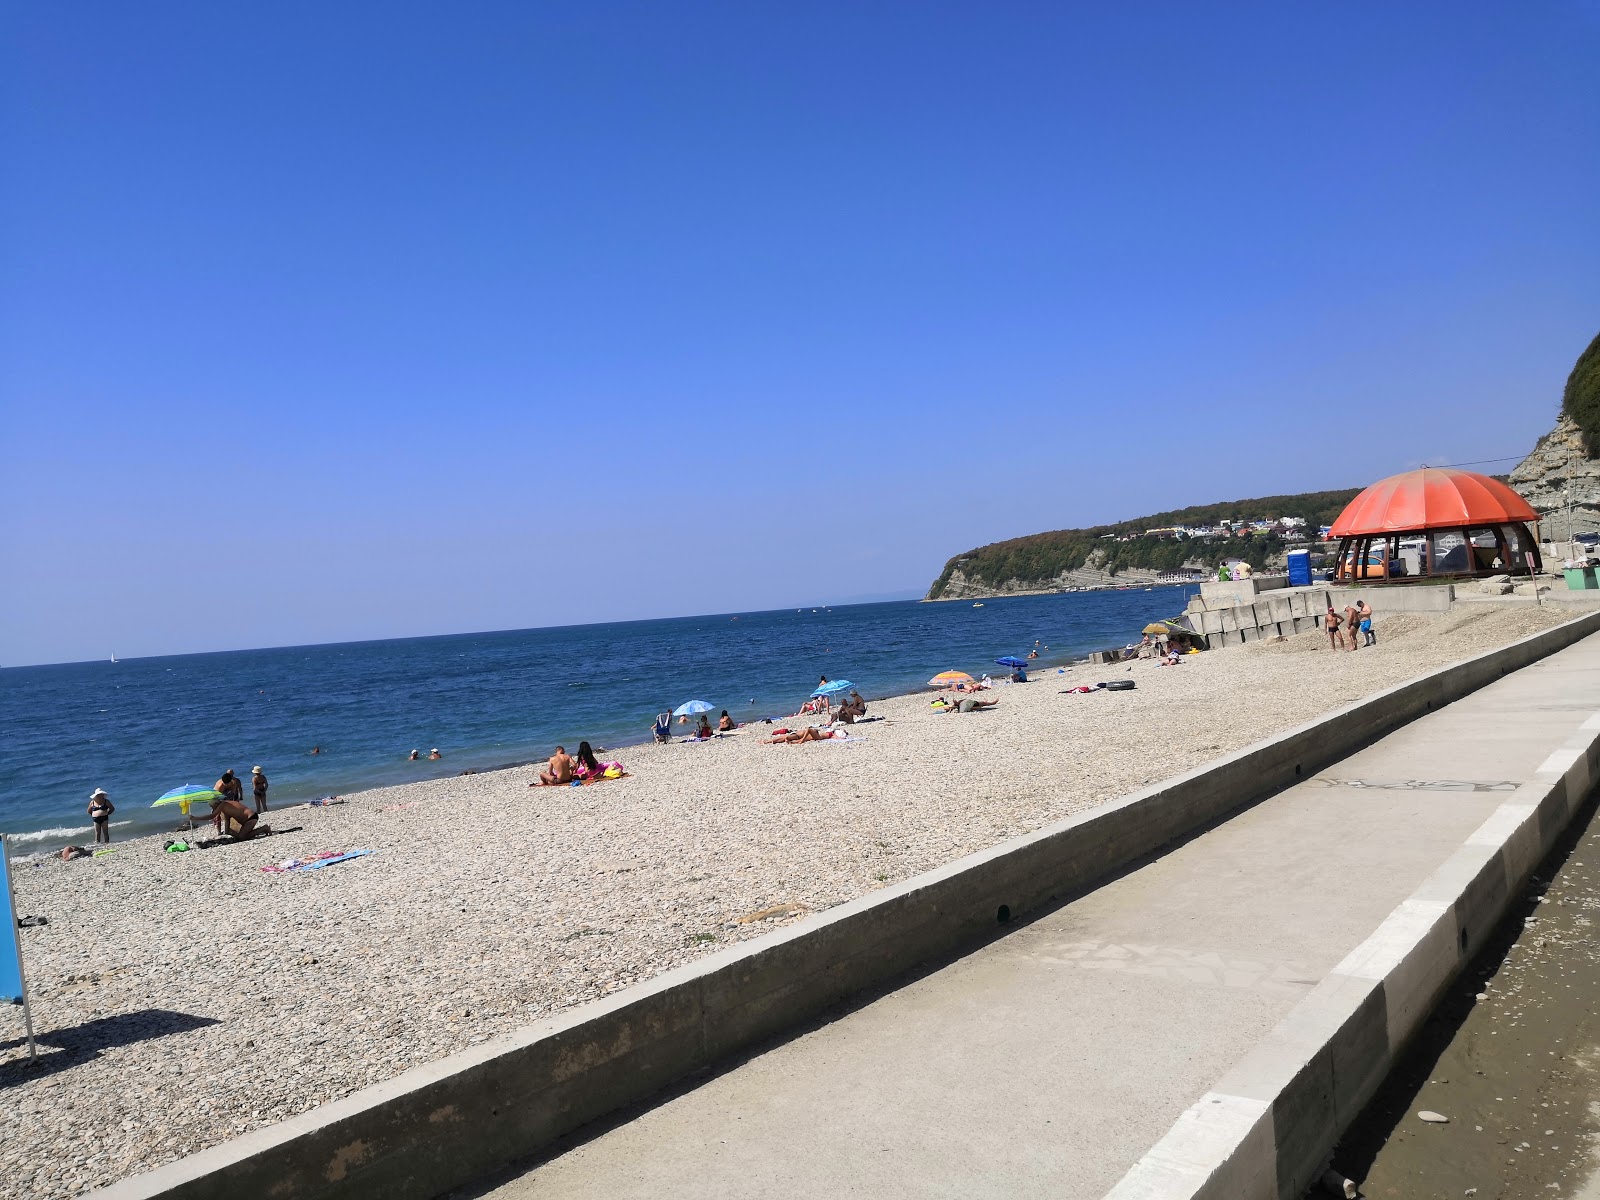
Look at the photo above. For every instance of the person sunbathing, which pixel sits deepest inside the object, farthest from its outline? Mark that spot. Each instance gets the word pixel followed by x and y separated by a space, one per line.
pixel 559 772
pixel 589 769
pixel 811 733
pixel 971 705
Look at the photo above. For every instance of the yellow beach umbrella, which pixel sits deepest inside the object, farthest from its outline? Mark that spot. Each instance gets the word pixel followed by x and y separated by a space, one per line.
pixel 1157 627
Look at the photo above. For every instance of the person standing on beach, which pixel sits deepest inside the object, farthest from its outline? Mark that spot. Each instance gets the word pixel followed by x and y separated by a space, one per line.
pixel 229 786
pixel 258 784
pixel 1351 620
pixel 100 810
pixel 1365 613
pixel 1330 622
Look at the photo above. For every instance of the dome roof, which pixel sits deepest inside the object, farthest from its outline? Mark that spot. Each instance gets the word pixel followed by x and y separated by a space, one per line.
pixel 1431 498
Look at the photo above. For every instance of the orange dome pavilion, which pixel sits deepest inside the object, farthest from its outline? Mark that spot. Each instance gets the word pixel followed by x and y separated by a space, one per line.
pixel 1436 521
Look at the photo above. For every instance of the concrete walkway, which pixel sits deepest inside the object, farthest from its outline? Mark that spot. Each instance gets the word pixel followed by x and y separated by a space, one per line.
pixel 1047 1062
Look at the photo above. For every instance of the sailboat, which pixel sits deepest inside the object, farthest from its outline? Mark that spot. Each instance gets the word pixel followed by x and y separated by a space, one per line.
pixel 113 656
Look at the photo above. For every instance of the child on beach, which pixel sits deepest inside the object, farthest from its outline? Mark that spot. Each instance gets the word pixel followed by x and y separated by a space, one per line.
pixel 100 810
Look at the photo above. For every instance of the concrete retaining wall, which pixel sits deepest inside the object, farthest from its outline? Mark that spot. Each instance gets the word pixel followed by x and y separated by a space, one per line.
pixel 466 1116
pixel 1266 1130
pixel 1296 610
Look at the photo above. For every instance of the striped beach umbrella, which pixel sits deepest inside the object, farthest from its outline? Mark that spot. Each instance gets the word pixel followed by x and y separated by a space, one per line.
pixel 950 679
pixel 186 795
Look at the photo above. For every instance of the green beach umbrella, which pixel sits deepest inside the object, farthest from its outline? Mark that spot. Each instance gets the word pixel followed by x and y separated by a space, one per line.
pixel 186 795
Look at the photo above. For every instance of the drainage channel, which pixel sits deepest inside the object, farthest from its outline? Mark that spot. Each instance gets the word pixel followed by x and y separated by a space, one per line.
pixel 1510 1060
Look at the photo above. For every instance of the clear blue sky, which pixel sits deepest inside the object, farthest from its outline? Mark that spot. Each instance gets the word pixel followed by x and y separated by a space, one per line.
pixel 332 321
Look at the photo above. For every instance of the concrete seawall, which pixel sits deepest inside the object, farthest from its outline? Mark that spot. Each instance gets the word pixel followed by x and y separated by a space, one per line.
pixel 453 1121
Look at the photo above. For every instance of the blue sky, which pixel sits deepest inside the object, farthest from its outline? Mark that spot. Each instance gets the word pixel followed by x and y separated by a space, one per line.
pixel 325 322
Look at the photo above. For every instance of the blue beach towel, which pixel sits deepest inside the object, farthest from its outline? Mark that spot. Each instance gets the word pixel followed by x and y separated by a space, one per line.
pixel 328 862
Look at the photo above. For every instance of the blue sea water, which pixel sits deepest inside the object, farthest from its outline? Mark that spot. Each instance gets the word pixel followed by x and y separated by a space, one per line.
pixel 143 726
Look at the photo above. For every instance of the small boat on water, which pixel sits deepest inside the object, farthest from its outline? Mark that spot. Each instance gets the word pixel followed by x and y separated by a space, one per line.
pixel 979 604
pixel 113 656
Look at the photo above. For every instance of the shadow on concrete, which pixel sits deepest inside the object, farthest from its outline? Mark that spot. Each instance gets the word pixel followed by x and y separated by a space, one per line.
pixel 1005 925
pixel 62 1049
pixel 1396 1097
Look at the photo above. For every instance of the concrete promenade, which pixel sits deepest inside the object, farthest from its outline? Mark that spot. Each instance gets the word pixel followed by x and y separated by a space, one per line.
pixel 1050 1061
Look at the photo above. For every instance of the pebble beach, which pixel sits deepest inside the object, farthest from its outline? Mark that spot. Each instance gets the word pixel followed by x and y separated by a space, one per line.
pixel 183 999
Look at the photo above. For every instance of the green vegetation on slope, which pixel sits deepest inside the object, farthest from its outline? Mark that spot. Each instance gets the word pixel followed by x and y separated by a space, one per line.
pixel 1581 400
pixel 1043 556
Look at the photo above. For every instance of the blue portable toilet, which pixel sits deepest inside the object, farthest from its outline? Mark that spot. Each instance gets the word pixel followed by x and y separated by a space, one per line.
pixel 1299 568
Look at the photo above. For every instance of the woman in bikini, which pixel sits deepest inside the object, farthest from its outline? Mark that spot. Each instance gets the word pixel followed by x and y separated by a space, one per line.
pixel 811 733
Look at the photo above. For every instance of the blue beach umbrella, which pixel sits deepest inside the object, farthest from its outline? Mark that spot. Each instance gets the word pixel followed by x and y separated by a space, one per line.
pixel 834 688
pixel 691 708
pixel 1011 660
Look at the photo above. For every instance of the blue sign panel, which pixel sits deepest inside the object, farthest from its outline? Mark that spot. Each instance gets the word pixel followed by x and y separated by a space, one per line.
pixel 10 947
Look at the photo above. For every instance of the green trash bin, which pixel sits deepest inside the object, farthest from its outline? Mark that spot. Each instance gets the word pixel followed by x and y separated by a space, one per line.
pixel 1580 579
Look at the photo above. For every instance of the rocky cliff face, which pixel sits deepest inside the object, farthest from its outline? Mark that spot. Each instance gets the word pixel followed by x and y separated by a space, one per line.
pixel 1559 479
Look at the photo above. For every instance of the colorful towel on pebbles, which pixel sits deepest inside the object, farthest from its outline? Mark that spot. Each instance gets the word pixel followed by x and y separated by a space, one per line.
pixel 313 862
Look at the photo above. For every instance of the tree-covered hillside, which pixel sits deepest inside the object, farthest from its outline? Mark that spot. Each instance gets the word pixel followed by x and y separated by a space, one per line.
pixel 1043 556
pixel 1581 400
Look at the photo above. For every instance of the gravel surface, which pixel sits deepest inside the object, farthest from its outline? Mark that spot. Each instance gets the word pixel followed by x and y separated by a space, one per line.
pixel 198 984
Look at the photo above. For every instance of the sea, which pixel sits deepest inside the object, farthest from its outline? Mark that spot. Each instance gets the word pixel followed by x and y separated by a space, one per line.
pixel 140 727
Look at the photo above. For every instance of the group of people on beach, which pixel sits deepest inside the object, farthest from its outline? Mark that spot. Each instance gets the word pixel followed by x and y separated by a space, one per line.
pixel 563 769
pixel 228 810
pixel 1357 619
pixel 229 814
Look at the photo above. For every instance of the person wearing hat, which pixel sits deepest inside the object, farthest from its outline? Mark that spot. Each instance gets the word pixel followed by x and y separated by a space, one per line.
pixel 434 753
pixel 258 781
pixel 100 810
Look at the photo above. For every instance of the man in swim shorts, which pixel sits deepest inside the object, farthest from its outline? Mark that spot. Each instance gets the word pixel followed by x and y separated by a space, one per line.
pixel 1351 620
pixel 559 771
pixel 229 786
pixel 1365 613
pixel 971 705
pixel 1330 622
pixel 230 816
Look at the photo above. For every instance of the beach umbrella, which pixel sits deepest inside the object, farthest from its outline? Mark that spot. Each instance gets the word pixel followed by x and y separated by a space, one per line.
pixel 1011 660
pixel 1157 627
pixel 949 679
pixel 691 708
pixel 186 795
pixel 834 688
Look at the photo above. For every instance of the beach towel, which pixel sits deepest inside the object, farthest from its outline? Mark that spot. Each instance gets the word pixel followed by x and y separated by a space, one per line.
pixel 328 862
pixel 312 861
